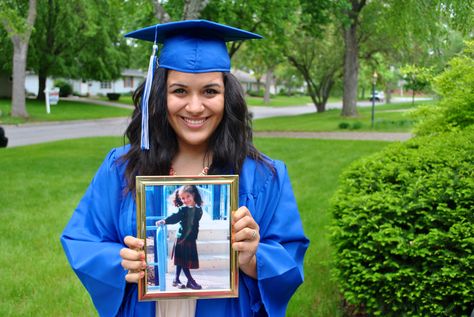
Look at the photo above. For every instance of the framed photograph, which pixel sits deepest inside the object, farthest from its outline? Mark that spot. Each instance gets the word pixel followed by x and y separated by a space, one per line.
pixel 186 225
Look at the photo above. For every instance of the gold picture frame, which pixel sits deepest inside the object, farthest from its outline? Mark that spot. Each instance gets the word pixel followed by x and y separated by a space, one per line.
pixel 217 275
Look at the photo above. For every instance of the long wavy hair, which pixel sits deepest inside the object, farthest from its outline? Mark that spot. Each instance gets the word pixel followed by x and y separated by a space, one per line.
pixel 228 146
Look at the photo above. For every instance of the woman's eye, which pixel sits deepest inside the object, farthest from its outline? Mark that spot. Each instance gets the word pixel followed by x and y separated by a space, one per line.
pixel 210 92
pixel 179 91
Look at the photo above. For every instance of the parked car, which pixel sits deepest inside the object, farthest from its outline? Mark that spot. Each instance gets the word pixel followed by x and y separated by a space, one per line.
pixel 378 96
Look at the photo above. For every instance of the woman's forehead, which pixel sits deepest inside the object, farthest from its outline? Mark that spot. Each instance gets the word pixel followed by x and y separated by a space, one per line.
pixel 190 78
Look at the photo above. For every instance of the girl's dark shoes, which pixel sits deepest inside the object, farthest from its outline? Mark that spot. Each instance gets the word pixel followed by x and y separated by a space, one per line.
pixel 193 285
pixel 178 284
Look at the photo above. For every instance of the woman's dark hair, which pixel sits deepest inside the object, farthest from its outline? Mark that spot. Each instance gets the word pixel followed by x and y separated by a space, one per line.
pixel 229 145
pixel 191 189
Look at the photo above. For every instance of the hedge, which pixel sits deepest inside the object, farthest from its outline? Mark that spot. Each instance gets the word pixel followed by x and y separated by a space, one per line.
pixel 403 229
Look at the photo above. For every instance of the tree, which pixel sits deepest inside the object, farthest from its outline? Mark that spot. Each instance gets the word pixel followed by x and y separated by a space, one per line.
pixel 417 78
pixel 407 22
pixel 455 86
pixel 319 62
pixel 19 30
pixel 97 52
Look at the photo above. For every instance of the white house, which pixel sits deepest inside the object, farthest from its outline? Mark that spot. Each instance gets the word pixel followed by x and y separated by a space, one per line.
pixel 127 83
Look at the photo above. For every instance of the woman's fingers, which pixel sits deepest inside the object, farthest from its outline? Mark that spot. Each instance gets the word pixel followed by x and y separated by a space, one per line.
pixel 133 259
pixel 246 234
pixel 242 218
pixel 134 277
pixel 133 243
pixel 133 265
pixel 129 254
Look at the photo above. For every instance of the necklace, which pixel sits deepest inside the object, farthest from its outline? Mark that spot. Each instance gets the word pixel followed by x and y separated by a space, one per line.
pixel 203 172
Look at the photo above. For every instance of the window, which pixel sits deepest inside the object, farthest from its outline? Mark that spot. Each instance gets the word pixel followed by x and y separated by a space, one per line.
pixel 105 84
pixel 128 82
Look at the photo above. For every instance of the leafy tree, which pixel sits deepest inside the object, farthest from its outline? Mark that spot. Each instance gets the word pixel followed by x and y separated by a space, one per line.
pixel 315 51
pixel 455 86
pixel 275 20
pixel 319 62
pixel 417 78
pixel 96 52
pixel 19 28
pixel 407 22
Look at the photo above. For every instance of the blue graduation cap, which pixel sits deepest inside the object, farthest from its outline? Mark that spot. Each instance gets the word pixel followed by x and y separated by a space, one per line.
pixel 191 46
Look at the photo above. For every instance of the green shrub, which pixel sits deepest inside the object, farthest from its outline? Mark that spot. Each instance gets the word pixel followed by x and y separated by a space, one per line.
pixel 344 125
pixel 403 228
pixel 357 125
pixel 255 93
pixel 65 89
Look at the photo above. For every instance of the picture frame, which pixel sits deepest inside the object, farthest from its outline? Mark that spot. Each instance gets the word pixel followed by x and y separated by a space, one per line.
pixel 172 243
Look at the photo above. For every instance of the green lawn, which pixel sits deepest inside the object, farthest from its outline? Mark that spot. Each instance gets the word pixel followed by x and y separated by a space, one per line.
pixel 43 184
pixel 124 99
pixel 279 101
pixel 388 118
pixel 64 110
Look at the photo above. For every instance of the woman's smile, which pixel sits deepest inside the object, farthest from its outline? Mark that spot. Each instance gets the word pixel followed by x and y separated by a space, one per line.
pixel 194 123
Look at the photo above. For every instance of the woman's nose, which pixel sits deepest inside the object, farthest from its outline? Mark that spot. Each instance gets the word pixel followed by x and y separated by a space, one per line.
pixel 195 104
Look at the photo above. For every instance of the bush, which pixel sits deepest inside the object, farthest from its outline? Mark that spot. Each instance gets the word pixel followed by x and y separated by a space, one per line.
pixel 344 125
pixel 357 125
pixel 112 96
pixel 403 228
pixel 65 89
pixel 258 93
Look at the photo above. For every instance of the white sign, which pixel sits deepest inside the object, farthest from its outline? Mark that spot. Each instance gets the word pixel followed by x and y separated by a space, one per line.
pixel 52 98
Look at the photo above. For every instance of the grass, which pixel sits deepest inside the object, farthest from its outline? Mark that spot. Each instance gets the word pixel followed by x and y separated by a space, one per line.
pixel 45 182
pixel 124 99
pixel 388 118
pixel 63 111
pixel 279 101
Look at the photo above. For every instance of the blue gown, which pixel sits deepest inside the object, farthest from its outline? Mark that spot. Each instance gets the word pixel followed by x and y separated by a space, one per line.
pixel 94 236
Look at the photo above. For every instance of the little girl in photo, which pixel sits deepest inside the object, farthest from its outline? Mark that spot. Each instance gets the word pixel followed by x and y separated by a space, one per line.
pixel 189 202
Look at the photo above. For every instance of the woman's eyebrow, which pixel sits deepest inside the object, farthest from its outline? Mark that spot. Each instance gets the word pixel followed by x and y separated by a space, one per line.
pixel 177 84
pixel 212 85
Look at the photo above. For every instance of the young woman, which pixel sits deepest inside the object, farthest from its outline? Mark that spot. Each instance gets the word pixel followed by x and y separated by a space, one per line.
pixel 190 119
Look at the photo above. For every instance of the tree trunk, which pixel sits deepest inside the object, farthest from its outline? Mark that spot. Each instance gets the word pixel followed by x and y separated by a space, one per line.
pixel 192 9
pixel 20 52
pixel 160 13
pixel 388 95
pixel 268 83
pixel 42 78
pixel 351 71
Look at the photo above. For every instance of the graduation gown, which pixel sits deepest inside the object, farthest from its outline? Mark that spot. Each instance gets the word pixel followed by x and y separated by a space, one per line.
pixel 94 236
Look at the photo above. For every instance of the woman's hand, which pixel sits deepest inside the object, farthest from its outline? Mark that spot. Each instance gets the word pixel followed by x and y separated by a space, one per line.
pixel 246 239
pixel 133 259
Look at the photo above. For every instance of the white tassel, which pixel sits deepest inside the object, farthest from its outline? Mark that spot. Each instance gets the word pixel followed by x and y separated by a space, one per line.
pixel 145 141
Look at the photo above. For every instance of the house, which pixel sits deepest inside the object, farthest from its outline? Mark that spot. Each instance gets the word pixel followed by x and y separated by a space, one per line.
pixel 127 83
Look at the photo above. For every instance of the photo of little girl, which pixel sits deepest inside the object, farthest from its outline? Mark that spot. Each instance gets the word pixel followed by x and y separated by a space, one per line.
pixel 189 202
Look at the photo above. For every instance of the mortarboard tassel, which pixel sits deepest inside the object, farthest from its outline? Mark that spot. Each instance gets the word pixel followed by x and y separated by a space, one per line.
pixel 145 141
